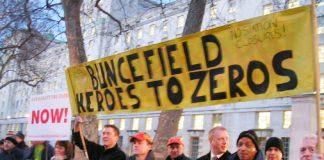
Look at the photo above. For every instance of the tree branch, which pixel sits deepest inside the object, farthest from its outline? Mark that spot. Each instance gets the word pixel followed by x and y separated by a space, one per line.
pixel 109 15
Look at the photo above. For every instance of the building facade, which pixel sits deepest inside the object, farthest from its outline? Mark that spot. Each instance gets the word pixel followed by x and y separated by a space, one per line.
pixel 145 22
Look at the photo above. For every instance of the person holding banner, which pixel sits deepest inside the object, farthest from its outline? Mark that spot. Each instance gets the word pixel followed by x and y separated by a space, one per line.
pixel 142 147
pixel 63 150
pixel 219 140
pixel 247 147
pixel 108 151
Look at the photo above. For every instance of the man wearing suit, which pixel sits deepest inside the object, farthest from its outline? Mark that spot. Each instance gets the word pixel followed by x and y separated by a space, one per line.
pixel 219 140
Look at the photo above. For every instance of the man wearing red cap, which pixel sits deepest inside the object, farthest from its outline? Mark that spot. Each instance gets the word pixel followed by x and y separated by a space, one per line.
pixel 219 140
pixel 142 147
pixel 175 149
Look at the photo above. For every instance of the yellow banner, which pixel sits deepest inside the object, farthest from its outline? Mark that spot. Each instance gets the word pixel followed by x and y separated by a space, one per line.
pixel 265 57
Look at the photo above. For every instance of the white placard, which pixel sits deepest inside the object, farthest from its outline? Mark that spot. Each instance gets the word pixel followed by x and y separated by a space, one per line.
pixel 50 117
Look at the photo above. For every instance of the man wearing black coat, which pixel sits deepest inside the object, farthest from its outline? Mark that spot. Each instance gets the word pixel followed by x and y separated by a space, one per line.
pixel 10 151
pixel 20 138
pixel 219 140
pixel 108 151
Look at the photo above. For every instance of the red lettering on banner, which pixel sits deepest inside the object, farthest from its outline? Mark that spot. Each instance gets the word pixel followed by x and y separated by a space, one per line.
pixel 50 116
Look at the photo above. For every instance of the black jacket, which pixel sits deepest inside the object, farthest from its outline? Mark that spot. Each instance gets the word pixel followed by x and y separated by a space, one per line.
pixel 207 156
pixel 181 157
pixel 234 156
pixel 98 152
pixel 22 145
pixel 15 154
pixel 150 156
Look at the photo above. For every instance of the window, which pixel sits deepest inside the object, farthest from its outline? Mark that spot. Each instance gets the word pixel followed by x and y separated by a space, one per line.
pixel 100 124
pixel 286 119
pixel 148 124
pixel 293 3
pixel 267 9
pixel 180 21
pixel 164 39
pixel 262 142
pixel 263 120
pixel 116 40
pixel 217 119
pixel 140 34
pixel 194 147
pixel 320 30
pixel 285 141
pixel 149 43
pixel 120 141
pixel 135 125
pixel 93 30
pixel 213 12
pixel 165 26
pixel 180 125
pixel 111 121
pixel 198 122
pixel 231 6
pixel 152 29
pixel 128 37
pixel 322 118
pixel 122 124
pixel 320 4
pixel 321 52
pixel 231 21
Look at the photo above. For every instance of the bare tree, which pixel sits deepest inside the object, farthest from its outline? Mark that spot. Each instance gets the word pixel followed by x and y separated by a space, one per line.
pixel 77 55
pixel 27 30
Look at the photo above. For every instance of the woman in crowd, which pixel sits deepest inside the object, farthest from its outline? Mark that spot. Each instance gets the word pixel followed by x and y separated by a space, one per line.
pixel 63 150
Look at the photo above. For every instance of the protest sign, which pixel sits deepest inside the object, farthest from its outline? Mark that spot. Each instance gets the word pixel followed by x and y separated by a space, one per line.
pixel 50 117
pixel 264 57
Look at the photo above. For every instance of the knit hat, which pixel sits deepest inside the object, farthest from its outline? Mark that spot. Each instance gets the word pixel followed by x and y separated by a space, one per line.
pixel 251 135
pixel 20 135
pixel 12 140
pixel 274 142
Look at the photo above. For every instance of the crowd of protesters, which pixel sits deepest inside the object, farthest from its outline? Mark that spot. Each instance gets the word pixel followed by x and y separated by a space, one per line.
pixel 13 147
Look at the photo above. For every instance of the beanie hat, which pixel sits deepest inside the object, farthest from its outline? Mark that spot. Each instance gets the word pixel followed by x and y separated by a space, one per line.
pixel 251 135
pixel 274 142
pixel 12 140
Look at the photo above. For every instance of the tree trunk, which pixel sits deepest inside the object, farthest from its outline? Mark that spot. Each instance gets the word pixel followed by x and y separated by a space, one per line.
pixel 169 120
pixel 73 31
pixel 77 55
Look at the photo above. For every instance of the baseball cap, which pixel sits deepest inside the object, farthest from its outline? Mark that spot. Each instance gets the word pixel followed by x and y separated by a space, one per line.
pixel 175 140
pixel 141 136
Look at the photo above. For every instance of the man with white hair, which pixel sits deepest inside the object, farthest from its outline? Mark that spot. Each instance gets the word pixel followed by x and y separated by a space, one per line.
pixel 219 141
pixel 308 148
